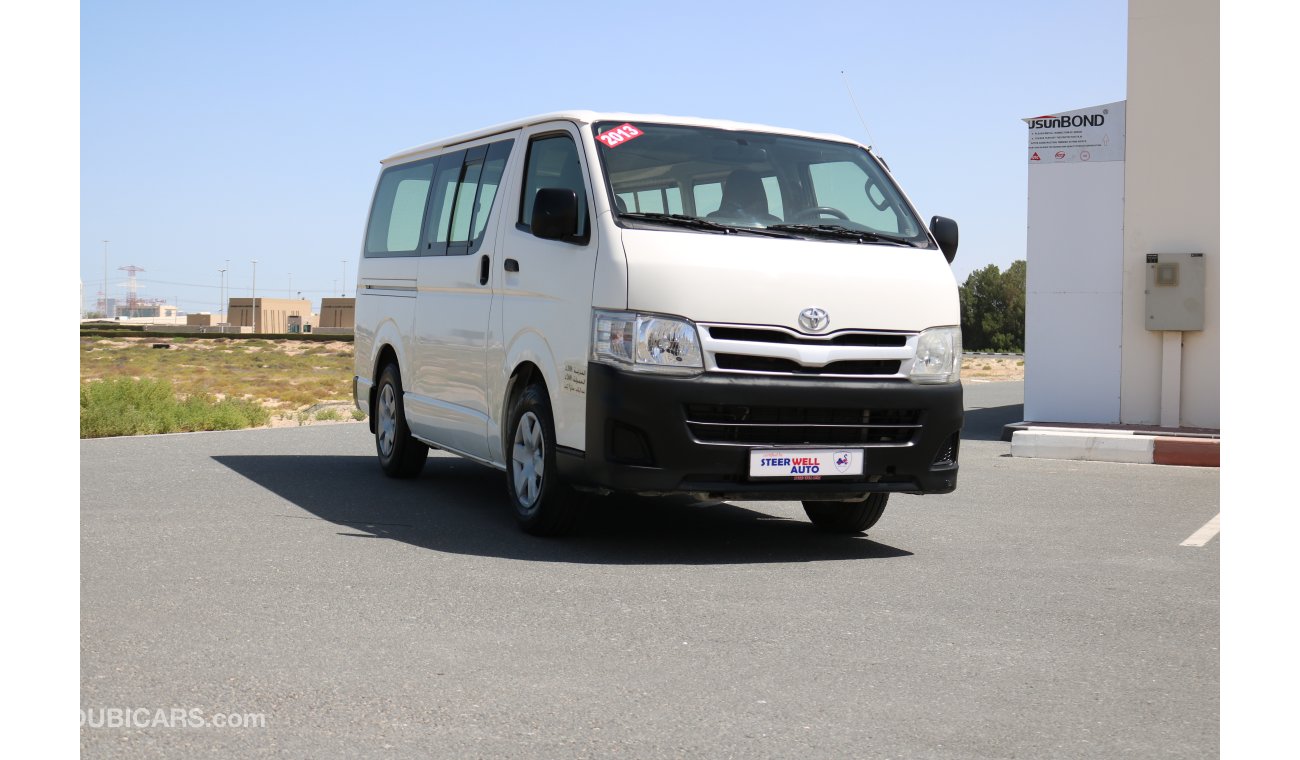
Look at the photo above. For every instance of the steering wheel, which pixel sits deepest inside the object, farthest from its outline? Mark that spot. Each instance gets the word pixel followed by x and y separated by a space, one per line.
pixel 817 212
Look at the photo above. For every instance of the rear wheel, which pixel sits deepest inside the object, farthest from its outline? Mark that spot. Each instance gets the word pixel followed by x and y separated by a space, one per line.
pixel 543 504
pixel 400 455
pixel 846 517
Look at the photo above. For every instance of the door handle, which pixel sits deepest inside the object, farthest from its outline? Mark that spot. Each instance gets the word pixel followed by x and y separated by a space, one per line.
pixel 512 265
pixel 483 270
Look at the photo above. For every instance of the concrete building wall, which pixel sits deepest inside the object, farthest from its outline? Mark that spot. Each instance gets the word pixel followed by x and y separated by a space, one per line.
pixel 338 312
pixel 202 319
pixel 272 313
pixel 1171 192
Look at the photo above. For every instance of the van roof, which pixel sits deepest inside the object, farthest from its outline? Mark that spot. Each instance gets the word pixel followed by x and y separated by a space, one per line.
pixel 588 117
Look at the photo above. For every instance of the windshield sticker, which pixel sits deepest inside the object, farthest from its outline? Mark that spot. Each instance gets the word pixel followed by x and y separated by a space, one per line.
pixel 619 135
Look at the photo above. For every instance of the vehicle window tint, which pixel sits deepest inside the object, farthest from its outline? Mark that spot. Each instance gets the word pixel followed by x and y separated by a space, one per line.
pixel 553 162
pixel 440 204
pixel 398 211
pixel 708 198
pixel 466 192
pixel 674 200
pixel 773 190
pixel 489 183
pixel 659 200
pixel 753 179
pixel 650 201
pixel 465 187
pixel 845 185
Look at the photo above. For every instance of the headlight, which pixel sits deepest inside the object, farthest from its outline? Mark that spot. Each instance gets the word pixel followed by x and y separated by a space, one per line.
pixel 938 356
pixel 646 342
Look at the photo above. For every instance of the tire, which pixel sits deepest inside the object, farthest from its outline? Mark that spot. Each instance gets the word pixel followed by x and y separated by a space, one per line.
pixel 846 517
pixel 543 504
pixel 400 455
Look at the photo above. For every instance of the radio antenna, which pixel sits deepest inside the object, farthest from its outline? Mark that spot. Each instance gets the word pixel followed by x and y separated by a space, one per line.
pixel 854 100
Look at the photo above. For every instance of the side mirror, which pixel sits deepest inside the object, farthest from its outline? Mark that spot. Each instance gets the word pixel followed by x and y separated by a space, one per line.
pixel 945 234
pixel 555 213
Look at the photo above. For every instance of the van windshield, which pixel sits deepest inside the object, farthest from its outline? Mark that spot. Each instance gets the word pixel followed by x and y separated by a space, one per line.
pixel 674 175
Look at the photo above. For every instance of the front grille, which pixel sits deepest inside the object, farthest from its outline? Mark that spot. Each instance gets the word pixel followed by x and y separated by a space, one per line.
pixel 779 425
pixel 748 363
pixel 758 335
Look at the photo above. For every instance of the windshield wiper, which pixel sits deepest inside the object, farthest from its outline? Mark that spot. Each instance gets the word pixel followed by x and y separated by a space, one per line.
pixel 839 231
pixel 694 222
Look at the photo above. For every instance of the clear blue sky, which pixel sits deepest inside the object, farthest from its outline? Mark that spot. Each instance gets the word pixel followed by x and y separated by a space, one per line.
pixel 244 131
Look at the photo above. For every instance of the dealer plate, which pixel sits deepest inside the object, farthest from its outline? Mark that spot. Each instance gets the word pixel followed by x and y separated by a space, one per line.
pixel 804 464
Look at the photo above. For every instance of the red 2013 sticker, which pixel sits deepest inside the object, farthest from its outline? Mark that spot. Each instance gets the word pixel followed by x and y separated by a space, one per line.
pixel 619 135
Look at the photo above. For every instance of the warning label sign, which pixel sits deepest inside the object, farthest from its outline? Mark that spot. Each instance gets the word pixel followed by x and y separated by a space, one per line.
pixel 1084 136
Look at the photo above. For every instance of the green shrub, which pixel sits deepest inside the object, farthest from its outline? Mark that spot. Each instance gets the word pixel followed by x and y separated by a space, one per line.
pixel 358 415
pixel 141 407
pixel 993 309
pixel 328 415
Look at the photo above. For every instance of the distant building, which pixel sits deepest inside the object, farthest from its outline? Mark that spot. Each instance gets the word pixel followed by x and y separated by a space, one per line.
pixel 338 313
pixel 273 315
pixel 202 319
pixel 146 310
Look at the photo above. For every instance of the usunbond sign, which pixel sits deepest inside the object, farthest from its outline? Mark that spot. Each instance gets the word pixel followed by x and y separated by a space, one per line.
pixel 1084 136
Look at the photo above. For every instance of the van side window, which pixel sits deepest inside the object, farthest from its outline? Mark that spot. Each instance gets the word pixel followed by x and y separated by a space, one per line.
pixel 674 195
pixel 463 209
pixel 659 200
pixel 553 162
pixel 708 198
pixel 440 202
pixel 465 186
pixel 475 194
pixel 772 188
pixel 398 211
pixel 495 166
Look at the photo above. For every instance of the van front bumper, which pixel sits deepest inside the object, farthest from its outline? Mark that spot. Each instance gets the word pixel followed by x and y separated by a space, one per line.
pixel 645 434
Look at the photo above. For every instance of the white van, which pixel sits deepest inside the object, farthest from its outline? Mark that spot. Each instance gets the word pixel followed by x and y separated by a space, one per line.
pixel 656 305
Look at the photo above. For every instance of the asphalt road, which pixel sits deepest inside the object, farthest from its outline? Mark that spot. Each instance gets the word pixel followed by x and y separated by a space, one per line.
pixel 1043 610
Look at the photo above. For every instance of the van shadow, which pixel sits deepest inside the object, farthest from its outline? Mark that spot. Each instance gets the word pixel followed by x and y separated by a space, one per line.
pixel 460 507
pixel 986 424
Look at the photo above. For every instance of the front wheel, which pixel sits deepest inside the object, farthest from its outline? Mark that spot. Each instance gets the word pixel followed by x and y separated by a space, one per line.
pixel 846 517
pixel 543 505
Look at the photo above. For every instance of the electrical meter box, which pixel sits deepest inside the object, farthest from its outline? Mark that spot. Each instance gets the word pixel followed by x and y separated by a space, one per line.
pixel 1175 291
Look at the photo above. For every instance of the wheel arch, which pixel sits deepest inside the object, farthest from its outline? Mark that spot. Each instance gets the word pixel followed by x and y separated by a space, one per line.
pixel 524 374
pixel 527 355
pixel 383 357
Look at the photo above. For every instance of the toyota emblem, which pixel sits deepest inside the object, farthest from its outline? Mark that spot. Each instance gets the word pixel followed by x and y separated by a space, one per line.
pixel 814 319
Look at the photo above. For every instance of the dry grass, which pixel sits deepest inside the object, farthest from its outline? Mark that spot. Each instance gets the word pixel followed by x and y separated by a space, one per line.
pixel 987 369
pixel 279 375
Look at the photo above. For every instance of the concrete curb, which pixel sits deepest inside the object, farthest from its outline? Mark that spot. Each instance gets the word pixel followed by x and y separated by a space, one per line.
pixel 1092 447
pixel 1114 446
pixel 1189 452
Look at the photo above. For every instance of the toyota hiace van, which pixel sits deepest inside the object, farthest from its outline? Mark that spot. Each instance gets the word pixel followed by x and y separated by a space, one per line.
pixel 613 303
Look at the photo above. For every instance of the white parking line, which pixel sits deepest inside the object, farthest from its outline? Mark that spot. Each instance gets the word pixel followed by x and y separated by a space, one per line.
pixel 1203 536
